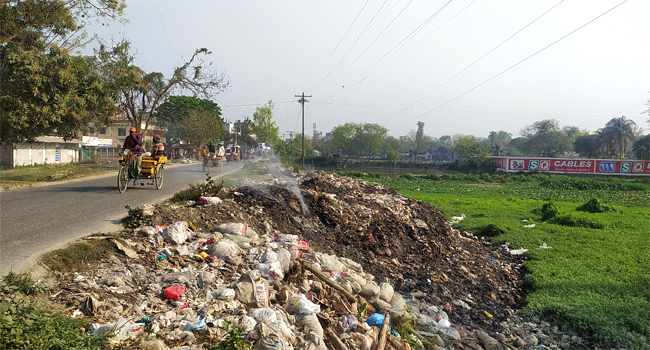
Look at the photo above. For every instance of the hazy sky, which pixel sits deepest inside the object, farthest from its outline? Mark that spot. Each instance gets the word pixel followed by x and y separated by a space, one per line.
pixel 461 67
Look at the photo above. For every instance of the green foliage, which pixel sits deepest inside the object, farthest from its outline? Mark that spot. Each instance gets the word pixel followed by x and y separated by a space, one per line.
pixel 548 144
pixel 549 211
pixel 263 124
pixel 560 182
pixel 76 256
pixel 21 283
pixel 594 205
pixel 593 282
pixel 404 326
pixel 490 230
pixel 641 147
pixel 574 221
pixel 190 119
pixel 136 217
pixel 195 191
pixel 233 340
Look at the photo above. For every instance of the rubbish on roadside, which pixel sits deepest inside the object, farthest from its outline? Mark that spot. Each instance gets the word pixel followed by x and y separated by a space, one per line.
pixel 211 200
pixel 174 292
pixel 233 228
pixel 544 246
pixel 299 304
pixel 518 251
pixel 223 249
pixel 176 234
pixel 376 320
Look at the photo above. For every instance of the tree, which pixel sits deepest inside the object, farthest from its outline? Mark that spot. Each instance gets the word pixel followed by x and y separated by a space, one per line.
pixel 138 94
pixel 641 148
pixel 473 150
pixel 419 141
pixel 547 144
pixel 371 136
pixel 618 133
pixel 264 126
pixel 178 112
pixel 391 148
pixel 588 146
pixel 497 142
pixel 540 127
pixel 243 134
pixel 43 89
pixel 344 138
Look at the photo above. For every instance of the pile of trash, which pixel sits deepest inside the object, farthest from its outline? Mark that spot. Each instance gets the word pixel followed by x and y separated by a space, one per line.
pixel 339 264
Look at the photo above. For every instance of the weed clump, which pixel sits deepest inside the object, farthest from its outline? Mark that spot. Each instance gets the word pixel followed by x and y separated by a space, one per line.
pixel 75 256
pixel 594 205
pixel 573 221
pixel 136 217
pixel 549 211
pixel 194 192
pixel 490 230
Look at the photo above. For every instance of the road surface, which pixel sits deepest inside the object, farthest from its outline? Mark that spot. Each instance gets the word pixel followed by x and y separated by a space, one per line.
pixel 40 219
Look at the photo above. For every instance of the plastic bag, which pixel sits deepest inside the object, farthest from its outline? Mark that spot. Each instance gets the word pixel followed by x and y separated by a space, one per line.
pixel 310 323
pixel 284 257
pixel 370 290
pixel 361 341
pixel 223 249
pixel 273 342
pixel 397 304
pixel 185 250
pixel 151 343
pixel 176 233
pixel 235 238
pixel 386 292
pixel 272 271
pixel 329 262
pixel 299 304
pixel 233 228
pixel 211 200
pixel 263 315
pixel 174 292
pixel 376 320
pixel 348 323
pixel 195 326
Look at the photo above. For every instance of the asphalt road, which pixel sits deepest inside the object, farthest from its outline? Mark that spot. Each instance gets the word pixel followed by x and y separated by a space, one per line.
pixel 40 219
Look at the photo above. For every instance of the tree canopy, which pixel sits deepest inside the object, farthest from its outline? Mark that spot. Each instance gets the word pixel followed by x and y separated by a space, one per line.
pixel 190 119
pixel 45 90
pixel 138 93
pixel 263 124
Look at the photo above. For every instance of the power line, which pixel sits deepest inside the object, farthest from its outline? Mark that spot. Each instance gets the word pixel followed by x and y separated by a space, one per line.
pixel 171 55
pixel 352 46
pixel 509 68
pixel 392 51
pixel 366 49
pixel 337 45
pixel 473 63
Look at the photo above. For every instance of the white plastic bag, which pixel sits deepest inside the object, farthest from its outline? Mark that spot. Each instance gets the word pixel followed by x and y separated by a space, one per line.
pixel 223 249
pixel 386 292
pixel 299 304
pixel 176 233
pixel 272 271
pixel 233 228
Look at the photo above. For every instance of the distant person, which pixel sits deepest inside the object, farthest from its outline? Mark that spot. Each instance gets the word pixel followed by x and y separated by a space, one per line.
pixel 220 151
pixel 158 148
pixel 133 143
pixel 211 148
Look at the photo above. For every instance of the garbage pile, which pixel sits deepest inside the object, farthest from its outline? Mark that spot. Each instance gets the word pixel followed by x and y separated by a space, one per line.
pixel 341 264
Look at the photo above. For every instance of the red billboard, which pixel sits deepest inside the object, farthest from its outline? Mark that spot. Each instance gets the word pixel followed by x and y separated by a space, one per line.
pixel 573 166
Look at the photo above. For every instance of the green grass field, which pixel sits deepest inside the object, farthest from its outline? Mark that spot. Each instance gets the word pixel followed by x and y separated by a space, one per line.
pixel 594 282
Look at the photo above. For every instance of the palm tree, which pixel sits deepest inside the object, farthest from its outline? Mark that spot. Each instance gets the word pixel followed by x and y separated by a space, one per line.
pixel 616 134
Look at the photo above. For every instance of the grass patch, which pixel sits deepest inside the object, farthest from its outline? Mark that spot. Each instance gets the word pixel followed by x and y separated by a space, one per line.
pixel 24 325
pixel 594 205
pixel 194 192
pixel 595 279
pixel 54 172
pixel 77 256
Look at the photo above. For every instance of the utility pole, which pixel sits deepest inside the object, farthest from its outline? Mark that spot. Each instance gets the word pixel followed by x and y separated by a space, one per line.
pixel 302 101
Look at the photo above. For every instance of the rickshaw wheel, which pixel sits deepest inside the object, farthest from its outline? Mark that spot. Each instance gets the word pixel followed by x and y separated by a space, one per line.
pixel 122 179
pixel 159 177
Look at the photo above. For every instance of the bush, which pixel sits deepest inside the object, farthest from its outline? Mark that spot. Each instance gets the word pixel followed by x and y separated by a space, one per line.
pixel 490 230
pixel 594 205
pixel 573 221
pixel 194 192
pixel 549 211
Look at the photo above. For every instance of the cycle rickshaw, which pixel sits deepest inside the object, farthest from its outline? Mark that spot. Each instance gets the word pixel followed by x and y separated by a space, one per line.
pixel 152 170
pixel 212 161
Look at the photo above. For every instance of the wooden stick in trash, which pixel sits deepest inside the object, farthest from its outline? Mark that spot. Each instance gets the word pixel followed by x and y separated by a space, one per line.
pixel 384 333
pixel 323 277
pixel 335 340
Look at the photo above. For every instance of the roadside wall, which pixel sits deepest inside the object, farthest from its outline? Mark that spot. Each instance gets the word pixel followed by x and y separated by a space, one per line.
pixel 573 166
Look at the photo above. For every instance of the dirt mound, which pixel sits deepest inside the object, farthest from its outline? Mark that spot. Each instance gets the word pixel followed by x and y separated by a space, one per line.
pixel 397 239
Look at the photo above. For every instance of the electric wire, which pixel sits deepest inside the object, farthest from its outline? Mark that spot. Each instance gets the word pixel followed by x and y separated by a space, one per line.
pixel 366 49
pixel 171 55
pixel 352 46
pixel 473 63
pixel 390 53
pixel 509 68
pixel 337 45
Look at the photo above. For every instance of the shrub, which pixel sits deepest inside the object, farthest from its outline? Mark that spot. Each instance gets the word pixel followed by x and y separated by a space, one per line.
pixel 594 205
pixel 549 211
pixel 194 192
pixel 490 230
pixel 136 218
pixel 573 221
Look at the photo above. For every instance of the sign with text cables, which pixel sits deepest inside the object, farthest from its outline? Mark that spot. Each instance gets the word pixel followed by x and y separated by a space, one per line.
pixel 573 166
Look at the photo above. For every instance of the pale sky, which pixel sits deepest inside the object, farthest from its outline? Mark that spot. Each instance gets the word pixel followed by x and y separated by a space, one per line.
pixel 460 66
